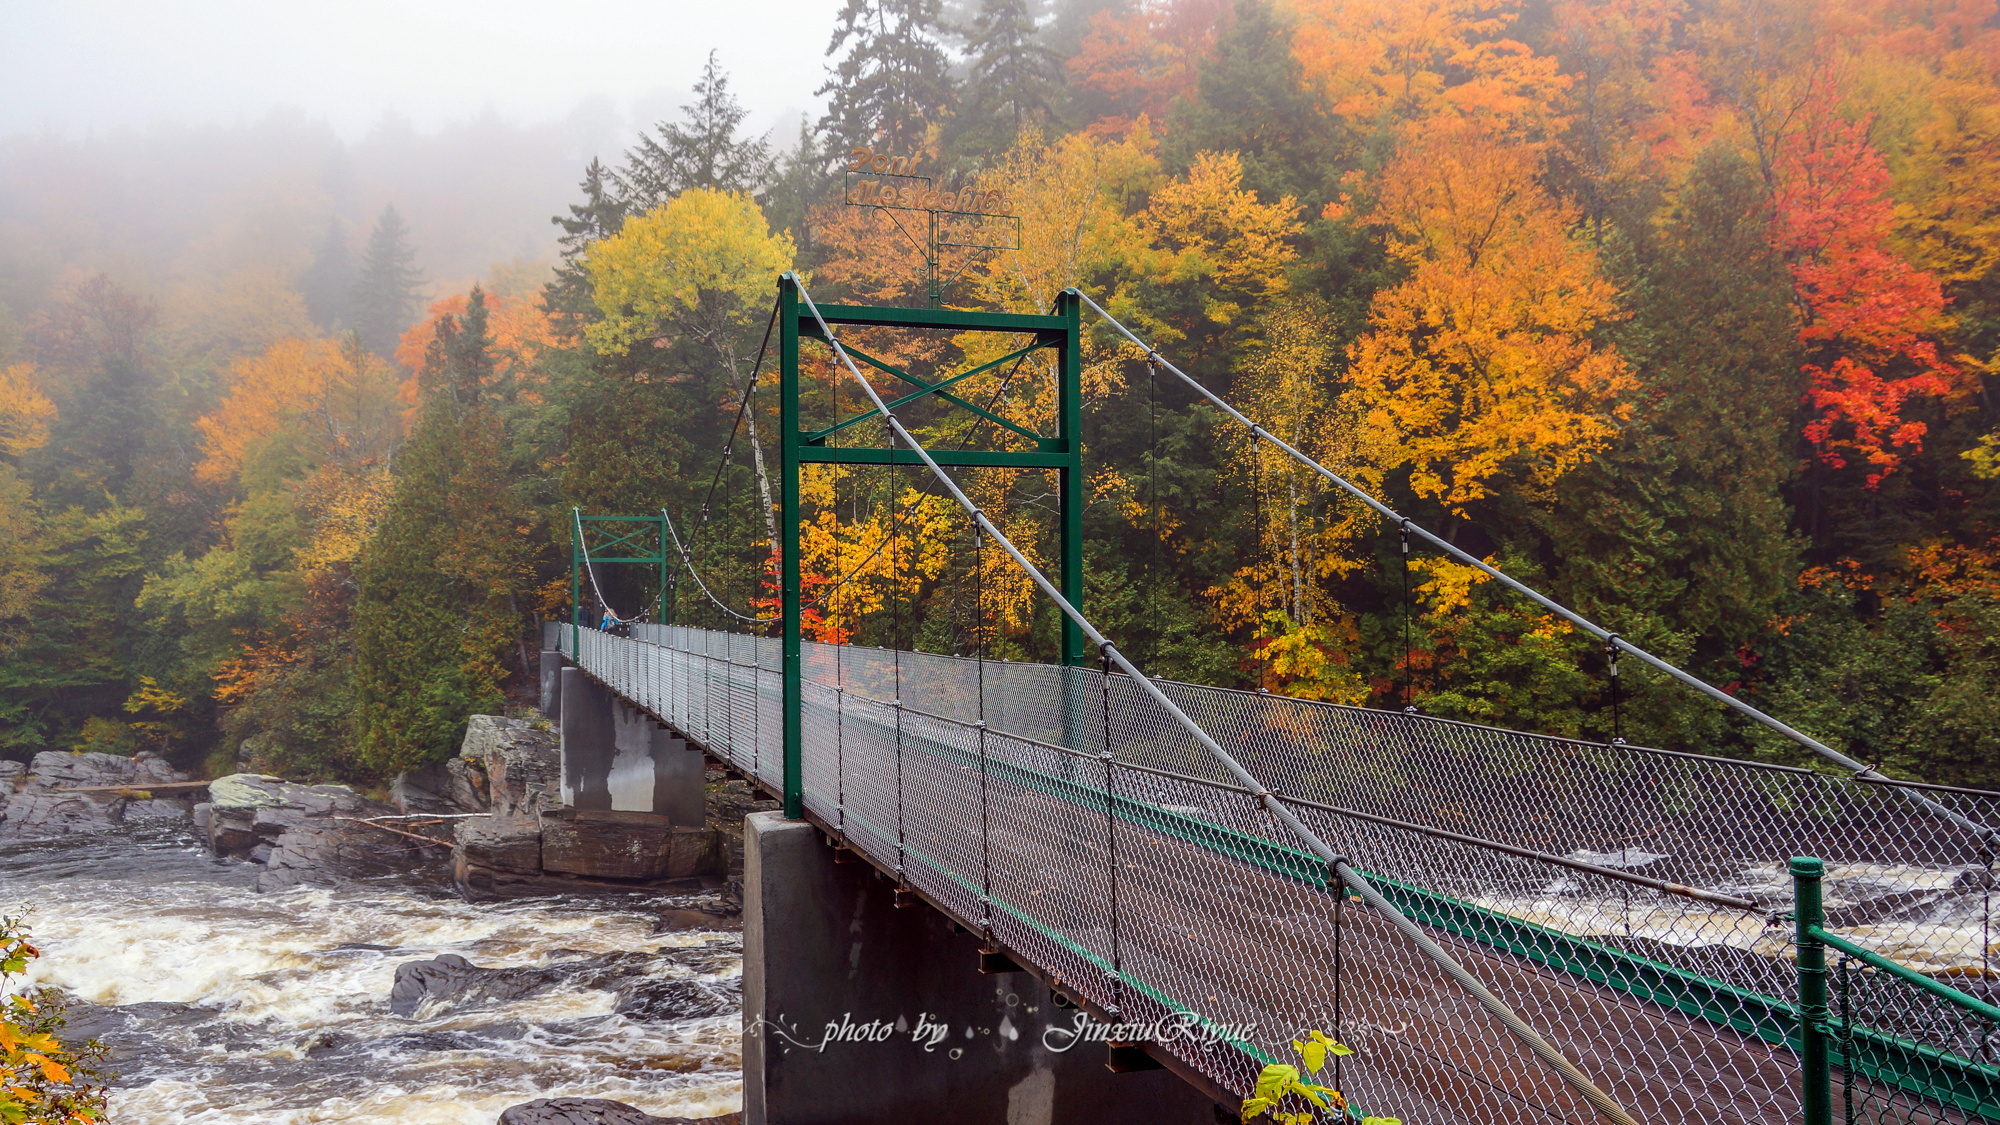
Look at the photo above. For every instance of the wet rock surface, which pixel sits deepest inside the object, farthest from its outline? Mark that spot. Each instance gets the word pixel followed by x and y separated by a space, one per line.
pixel 223 1005
pixel 320 852
pixel 506 845
pixel 450 984
pixel 33 801
pixel 307 834
pixel 597 1111
pixel 452 981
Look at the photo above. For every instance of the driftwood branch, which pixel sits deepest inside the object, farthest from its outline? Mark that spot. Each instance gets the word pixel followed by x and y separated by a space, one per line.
pixel 138 787
pixel 436 843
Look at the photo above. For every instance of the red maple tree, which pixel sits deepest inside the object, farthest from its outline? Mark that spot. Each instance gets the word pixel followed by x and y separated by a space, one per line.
pixel 1868 318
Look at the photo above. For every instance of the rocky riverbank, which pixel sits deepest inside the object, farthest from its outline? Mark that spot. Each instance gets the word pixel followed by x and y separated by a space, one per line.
pixel 392 976
pixel 60 792
pixel 229 1006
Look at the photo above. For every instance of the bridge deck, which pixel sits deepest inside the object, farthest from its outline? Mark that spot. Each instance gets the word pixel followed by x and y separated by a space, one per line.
pixel 1147 893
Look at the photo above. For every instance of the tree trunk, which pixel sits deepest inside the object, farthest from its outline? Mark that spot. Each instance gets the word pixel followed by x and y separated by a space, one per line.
pixel 756 449
pixel 1298 579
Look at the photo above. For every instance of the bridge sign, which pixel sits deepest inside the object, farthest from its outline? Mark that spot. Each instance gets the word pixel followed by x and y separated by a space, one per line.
pixel 969 217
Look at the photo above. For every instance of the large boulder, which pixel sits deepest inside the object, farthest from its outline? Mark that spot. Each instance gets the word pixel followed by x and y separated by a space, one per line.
pixel 602 844
pixel 453 786
pixel 426 987
pixel 248 809
pixel 324 851
pixel 521 763
pixel 489 846
pixel 596 1111
pixel 312 834
pixel 60 769
pixel 650 986
pixel 38 800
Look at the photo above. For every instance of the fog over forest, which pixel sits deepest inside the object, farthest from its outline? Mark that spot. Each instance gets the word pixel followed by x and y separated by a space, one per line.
pixel 1684 310
pixel 329 333
pixel 203 168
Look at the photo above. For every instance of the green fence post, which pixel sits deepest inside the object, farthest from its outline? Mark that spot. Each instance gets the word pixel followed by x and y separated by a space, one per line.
pixel 1815 1067
pixel 1069 479
pixel 575 590
pixel 788 561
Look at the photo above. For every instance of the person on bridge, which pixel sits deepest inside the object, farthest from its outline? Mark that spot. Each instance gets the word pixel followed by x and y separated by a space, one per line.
pixel 609 621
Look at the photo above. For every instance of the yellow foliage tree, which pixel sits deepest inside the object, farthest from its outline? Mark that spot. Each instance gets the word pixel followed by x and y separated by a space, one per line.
pixel 1305 533
pixel 334 398
pixel 1074 195
pixel 25 412
pixel 702 246
pixel 1482 369
pixel 1209 227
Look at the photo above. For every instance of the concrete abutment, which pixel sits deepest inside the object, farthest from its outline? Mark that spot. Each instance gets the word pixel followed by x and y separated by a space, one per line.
pixel 856 1011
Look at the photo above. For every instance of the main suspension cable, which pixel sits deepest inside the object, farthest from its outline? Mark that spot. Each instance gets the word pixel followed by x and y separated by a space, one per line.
pixel 584 549
pixel 1613 640
pixel 687 560
pixel 1336 862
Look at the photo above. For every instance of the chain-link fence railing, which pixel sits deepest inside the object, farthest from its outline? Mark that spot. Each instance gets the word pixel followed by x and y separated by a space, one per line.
pixel 1630 904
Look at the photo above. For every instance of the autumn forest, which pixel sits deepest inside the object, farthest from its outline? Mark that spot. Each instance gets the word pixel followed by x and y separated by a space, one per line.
pixel 1686 312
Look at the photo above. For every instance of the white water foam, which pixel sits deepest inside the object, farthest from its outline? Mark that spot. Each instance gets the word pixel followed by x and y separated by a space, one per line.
pixel 224 1005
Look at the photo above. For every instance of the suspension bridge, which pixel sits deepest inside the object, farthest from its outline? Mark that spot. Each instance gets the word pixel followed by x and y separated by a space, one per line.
pixel 1502 926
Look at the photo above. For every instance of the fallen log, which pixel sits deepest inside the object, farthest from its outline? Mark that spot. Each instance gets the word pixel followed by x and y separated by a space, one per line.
pixel 152 787
pixel 412 835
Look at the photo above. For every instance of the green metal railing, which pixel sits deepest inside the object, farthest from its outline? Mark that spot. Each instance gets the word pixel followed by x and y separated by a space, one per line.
pixel 1880 1043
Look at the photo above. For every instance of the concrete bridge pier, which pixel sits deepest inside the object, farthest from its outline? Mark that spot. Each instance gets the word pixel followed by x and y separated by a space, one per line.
pixel 551 667
pixel 614 758
pixel 855 1011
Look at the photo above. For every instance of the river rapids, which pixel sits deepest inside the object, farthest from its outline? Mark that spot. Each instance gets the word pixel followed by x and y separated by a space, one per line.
pixel 220 1004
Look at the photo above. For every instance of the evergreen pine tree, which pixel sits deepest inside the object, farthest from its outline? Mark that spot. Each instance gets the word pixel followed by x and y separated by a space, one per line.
pixel 1069 21
pixel 328 284
pixel 600 215
pixel 702 151
pixel 1253 101
pixel 894 84
pixel 1676 535
pixel 98 439
pixel 1013 81
pixel 435 616
pixel 804 181
pixel 385 293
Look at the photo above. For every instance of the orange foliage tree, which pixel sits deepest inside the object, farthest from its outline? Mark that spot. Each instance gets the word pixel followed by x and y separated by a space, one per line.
pixel 1143 58
pixel 317 392
pixel 521 332
pixel 1381 62
pixel 1484 365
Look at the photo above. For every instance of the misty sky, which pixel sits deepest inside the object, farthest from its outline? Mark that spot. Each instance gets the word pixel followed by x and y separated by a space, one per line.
pixel 76 66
